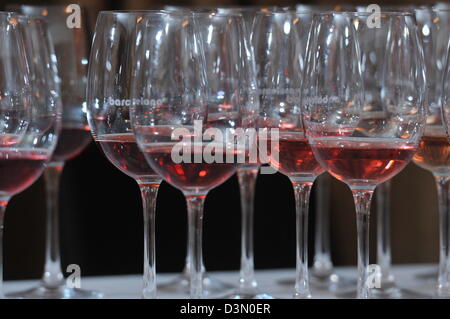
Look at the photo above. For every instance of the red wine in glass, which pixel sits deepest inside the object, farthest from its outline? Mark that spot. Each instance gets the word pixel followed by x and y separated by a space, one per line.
pixel 72 141
pixel 363 161
pixel 295 157
pixel 433 153
pixel 190 177
pixel 124 153
pixel 19 168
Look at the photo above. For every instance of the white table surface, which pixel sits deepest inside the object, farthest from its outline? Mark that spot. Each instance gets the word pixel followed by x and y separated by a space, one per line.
pixel 129 286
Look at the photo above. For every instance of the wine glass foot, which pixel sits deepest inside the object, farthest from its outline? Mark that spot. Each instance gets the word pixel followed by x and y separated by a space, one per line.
pixel 248 295
pixel 304 295
pixel 332 283
pixel 392 292
pixel 181 284
pixel 430 275
pixel 62 292
pixel 396 293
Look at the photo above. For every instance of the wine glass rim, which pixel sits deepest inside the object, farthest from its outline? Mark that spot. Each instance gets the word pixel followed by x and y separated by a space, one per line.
pixel 356 13
pixel 430 8
pixel 31 17
pixel 131 12
pixel 245 8
pixel 286 12
pixel 43 6
pixel 218 14
pixel 168 12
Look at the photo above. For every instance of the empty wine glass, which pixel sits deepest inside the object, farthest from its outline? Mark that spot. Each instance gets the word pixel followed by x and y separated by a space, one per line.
pixel 279 40
pixel 348 135
pixel 173 98
pixel 30 106
pixel 433 153
pixel 109 101
pixel 71 53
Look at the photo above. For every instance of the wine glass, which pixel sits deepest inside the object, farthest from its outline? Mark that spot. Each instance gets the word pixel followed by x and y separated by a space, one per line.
pixel 248 172
pixel 108 104
pixel 71 53
pixel 433 153
pixel 279 40
pixel 372 57
pixel 247 175
pixel 30 106
pixel 181 283
pixel 179 117
pixel 359 143
pixel 322 274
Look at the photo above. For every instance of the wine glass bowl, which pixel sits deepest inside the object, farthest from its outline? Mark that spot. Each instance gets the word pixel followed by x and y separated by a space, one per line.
pixel 71 46
pixel 14 97
pixel 73 141
pixel 39 105
pixel 445 105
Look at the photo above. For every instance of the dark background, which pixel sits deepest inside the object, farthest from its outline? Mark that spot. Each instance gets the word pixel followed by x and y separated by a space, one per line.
pixel 101 214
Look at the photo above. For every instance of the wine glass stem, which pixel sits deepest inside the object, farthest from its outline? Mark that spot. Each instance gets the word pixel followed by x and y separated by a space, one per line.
pixel 443 289
pixel 384 232
pixel 302 191
pixel 195 222
pixel 247 181
pixel 322 266
pixel 53 276
pixel 149 193
pixel 362 200
pixel 3 204
pixel 186 274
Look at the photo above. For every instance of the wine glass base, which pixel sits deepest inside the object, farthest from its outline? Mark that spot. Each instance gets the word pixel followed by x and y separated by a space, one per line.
pixel 332 283
pixel 62 292
pixel 392 292
pixel 431 275
pixel 396 293
pixel 249 295
pixel 181 284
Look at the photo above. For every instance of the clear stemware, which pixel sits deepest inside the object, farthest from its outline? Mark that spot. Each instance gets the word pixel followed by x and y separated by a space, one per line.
pixel 188 69
pixel 109 102
pixel 71 45
pixel 360 143
pixel 322 274
pixel 30 105
pixel 279 40
pixel 433 153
